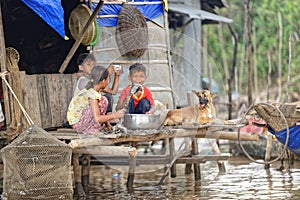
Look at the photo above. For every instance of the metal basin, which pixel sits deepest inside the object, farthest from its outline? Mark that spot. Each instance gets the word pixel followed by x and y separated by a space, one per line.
pixel 141 121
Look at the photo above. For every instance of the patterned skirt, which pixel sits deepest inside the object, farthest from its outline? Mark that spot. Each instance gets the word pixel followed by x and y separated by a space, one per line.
pixel 87 123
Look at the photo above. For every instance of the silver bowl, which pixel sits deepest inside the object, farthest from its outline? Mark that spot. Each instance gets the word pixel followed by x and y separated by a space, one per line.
pixel 142 121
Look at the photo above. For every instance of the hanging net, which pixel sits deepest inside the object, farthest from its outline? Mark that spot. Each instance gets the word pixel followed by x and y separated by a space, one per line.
pixel 37 166
pixel 131 32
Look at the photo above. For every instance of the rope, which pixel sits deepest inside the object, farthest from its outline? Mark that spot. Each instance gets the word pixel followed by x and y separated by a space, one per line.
pixel 29 120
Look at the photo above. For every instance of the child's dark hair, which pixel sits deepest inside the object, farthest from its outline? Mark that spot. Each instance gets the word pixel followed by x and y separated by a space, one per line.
pixel 98 74
pixel 137 67
pixel 85 56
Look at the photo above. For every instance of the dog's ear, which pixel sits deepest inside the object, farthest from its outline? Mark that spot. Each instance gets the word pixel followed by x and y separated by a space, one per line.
pixel 195 92
pixel 214 94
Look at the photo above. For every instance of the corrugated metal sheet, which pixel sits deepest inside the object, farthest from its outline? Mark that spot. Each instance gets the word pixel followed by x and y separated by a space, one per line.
pixel 195 13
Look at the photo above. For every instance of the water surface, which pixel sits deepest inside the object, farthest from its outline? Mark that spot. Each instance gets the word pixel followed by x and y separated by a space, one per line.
pixel 243 180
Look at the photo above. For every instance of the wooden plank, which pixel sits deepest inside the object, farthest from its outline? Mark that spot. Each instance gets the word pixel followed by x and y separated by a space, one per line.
pixel 31 98
pixel 43 96
pixel 81 140
pixel 69 81
pixel 104 150
pixel 201 159
pixel 62 97
pixel 54 92
pixel 219 134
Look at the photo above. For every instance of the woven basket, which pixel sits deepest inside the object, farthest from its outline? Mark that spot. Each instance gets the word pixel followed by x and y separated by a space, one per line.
pixel 77 20
pixel 273 117
pixel 132 32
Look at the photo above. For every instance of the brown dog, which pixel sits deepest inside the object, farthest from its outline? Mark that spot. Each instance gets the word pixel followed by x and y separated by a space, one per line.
pixel 202 113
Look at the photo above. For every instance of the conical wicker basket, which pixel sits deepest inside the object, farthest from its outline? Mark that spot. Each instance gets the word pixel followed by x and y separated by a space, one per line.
pixel 132 32
pixel 273 117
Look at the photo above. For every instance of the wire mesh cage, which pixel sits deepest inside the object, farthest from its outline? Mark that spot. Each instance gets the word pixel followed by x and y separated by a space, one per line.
pixel 37 166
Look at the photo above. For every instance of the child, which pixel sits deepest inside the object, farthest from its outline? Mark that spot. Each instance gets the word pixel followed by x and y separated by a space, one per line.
pixel 141 102
pixel 108 92
pixel 85 62
pixel 86 112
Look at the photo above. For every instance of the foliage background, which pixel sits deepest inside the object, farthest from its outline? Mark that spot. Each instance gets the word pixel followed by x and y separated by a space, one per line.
pixel 265 29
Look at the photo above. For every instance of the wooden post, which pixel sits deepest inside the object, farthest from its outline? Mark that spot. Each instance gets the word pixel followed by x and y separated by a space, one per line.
pixel 3 68
pixel 77 42
pixel 172 155
pixel 188 167
pixel 2 44
pixel 132 164
pixel 268 149
pixel 195 151
pixel 76 167
pixel 86 172
pixel 77 175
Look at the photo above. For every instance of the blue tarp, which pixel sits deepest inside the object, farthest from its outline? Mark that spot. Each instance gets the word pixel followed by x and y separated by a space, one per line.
pixel 150 11
pixel 51 12
pixel 294 138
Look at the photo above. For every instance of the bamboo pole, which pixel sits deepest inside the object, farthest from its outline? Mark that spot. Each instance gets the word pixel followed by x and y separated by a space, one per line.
pixel 77 42
pixel 167 35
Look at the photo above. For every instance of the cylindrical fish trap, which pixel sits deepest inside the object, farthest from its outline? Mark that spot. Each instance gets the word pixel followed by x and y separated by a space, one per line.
pixel 37 166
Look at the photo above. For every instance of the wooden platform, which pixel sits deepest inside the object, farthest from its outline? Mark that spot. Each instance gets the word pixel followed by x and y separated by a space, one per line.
pixel 116 149
pixel 76 140
pixel 113 149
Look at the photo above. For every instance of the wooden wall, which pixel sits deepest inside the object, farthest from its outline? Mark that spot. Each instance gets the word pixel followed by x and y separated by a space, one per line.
pixel 46 97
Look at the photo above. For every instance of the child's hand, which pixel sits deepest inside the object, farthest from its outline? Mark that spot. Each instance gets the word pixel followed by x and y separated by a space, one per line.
pixel 120 71
pixel 108 126
pixel 119 113
pixel 138 93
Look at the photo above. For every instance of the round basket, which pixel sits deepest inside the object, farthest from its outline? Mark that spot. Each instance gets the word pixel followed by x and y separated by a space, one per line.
pixel 131 32
pixel 96 35
pixel 77 20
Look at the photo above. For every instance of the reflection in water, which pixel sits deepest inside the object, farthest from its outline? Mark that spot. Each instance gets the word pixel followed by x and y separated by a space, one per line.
pixel 242 180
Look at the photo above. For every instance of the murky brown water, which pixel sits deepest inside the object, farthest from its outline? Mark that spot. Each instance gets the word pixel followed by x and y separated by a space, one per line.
pixel 242 180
